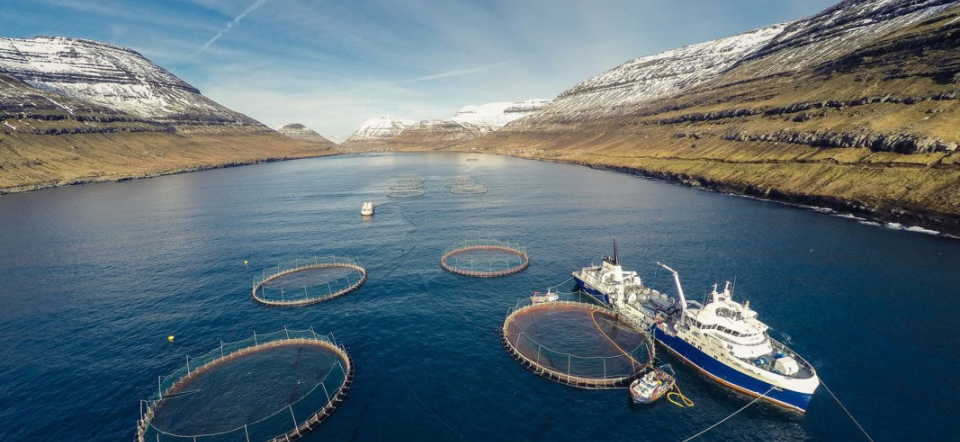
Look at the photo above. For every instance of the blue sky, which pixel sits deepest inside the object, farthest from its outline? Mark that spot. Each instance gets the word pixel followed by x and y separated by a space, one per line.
pixel 333 64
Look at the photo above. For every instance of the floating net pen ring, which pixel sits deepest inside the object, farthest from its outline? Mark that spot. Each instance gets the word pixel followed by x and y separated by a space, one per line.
pixel 451 259
pixel 314 293
pixel 313 408
pixel 543 362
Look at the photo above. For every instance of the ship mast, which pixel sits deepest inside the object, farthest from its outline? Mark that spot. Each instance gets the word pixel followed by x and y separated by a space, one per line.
pixel 676 279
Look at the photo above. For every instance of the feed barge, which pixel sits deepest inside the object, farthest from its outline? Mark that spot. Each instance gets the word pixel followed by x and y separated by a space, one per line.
pixel 723 339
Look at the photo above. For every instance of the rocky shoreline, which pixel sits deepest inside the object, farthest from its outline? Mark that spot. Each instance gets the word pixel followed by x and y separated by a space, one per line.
pixel 140 176
pixel 944 224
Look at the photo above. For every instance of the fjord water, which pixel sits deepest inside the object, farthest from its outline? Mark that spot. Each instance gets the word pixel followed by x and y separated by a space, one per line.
pixel 94 278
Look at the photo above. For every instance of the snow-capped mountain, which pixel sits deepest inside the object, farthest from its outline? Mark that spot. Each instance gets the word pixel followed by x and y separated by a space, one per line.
pixel 110 76
pixel 380 129
pixel 492 116
pixel 301 132
pixel 468 123
pixel 833 32
pixel 654 76
pixel 854 108
pixel 782 48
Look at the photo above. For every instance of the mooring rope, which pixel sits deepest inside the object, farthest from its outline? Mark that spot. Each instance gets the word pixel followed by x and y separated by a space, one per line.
pixel 562 283
pixel 612 341
pixel 846 411
pixel 684 402
pixel 728 417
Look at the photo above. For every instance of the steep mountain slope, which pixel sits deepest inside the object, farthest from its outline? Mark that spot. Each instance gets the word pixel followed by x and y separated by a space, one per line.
pixel 854 108
pixel 74 111
pixel 646 79
pixel 110 76
pixel 298 131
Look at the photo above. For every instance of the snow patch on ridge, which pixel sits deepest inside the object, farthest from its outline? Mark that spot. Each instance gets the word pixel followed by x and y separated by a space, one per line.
pixel 380 129
pixel 110 76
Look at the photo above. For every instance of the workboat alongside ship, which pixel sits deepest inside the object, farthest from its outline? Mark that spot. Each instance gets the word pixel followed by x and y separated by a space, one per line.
pixel 723 339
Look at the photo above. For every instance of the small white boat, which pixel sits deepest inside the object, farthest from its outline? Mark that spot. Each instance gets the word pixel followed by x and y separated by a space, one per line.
pixel 652 385
pixel 367 209
pixel 551 296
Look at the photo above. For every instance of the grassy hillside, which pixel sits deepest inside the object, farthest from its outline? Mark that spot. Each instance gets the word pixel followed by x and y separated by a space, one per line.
pixel 873 130
pixel 49 140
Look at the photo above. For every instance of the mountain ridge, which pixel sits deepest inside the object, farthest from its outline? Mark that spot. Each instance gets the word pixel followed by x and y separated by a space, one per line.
pixel 860 118
pixel 75 111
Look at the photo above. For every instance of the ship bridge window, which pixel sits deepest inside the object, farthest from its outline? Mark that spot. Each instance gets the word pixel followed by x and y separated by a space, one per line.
pixel 727 313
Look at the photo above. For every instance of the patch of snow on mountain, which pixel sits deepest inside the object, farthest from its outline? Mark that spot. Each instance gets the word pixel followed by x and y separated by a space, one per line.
pixel 380 129
pixel 833 32
pixel 492 116
pixel 108 75
pixel 654 76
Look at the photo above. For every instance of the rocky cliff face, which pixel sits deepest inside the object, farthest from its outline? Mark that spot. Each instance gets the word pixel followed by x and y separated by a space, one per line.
pixel 300 132
pixel 855 107
pixel 110 76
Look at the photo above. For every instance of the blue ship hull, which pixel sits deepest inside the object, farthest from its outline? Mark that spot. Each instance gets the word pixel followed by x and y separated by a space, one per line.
pixel 598 296
pixel 713 368
pixel 728 376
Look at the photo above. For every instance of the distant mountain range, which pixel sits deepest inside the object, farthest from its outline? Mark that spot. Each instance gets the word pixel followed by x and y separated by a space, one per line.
pixel 74 111
pixel 468 123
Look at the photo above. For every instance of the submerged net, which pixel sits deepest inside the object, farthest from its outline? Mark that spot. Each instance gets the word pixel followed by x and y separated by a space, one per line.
pixel 577 344
pixel 308 281
pixel 274 386
pixel 485 258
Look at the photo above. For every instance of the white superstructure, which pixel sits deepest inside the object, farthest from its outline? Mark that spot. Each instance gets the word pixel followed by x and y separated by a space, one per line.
pixel 367 209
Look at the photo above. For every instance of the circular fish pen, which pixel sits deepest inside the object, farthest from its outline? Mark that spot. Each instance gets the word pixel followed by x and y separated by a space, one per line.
pixel 269 387
pixel 577 344
pixel 485 258
pixel 470 189
pixel 308 281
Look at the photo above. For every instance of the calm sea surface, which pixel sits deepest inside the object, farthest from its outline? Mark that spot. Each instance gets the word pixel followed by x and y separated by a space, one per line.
pixel 94 278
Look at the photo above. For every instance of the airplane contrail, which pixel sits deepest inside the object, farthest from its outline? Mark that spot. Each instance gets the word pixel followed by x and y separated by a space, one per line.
pixel 230 24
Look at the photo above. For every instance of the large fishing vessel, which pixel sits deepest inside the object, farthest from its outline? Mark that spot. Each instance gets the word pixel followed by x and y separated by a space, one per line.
pixel 723 339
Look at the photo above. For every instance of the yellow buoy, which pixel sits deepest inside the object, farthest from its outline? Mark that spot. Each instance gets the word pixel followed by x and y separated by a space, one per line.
pixel 244 262
pixel 170 338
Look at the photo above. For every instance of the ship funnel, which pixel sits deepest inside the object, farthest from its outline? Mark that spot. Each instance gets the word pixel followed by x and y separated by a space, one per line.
pixel 616 253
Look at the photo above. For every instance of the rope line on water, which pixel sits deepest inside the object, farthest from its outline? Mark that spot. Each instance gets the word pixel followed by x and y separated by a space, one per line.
pixel 865 434
pixel 728 417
